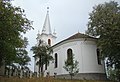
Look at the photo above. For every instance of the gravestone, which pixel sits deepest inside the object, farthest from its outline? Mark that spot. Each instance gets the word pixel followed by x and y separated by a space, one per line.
pixel 15 72
pixel 30 74
pixel 21 73
pixel 7 72
pixel 10 72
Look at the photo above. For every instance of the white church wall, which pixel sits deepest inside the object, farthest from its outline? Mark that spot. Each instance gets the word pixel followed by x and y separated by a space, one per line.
pixel 85 54
pixel 51 67
pixel 90 62
pixel 61 56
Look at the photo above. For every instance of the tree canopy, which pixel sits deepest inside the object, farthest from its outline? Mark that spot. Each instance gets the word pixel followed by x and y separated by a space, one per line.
pixel 104 23
pixel 22 57
pixel 13 23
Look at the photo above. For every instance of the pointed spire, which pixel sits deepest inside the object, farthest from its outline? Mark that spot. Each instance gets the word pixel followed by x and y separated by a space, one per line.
pixel 46 27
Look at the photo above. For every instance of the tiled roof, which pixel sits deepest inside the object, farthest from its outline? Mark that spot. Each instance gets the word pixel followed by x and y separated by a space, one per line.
pixel 78 35
pixel 75 36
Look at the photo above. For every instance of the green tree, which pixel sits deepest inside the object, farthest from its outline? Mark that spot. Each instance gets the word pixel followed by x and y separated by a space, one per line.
pixel 43 52
pixel 13 23
pixel 104 23
pixel 22 57
pixel 71 66
pixel 111 73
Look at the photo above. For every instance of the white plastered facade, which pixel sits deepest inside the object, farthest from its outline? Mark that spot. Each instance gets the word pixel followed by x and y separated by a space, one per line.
pixel 84 52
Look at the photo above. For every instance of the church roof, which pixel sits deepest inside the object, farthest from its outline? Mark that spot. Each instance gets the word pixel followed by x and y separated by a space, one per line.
pixel 76 36
pixel 46 27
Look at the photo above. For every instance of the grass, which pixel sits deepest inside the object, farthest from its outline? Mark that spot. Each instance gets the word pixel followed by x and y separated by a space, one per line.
pixel 14 79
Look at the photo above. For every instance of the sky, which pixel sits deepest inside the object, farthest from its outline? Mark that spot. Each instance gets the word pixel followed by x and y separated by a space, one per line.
pixel 67 17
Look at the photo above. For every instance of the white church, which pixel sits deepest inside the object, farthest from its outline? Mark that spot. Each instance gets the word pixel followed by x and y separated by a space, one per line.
pixel 84 48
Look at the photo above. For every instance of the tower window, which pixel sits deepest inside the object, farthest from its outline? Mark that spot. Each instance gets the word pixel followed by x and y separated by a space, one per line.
pixel 70 56
pixel 49 42
pixel 98 56
pixel 56 60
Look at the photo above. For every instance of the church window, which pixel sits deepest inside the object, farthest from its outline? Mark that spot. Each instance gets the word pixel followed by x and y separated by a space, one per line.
pixel 98 56
pixel 49 42
pixel 70 56
pixel 56 60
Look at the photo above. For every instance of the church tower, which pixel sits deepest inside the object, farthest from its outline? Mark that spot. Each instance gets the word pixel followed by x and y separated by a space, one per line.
pixel 46 35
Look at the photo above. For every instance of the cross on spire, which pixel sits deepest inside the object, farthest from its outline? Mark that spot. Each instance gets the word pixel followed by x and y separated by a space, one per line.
pixel 47 9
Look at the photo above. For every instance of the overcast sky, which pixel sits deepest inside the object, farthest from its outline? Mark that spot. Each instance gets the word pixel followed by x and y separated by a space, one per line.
pixel 67 17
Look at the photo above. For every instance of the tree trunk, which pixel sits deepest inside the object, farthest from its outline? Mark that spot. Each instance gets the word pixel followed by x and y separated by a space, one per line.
pixel 39 65
pixel 39 68
pixel 42 70
pixel 71 77
pixel 119 76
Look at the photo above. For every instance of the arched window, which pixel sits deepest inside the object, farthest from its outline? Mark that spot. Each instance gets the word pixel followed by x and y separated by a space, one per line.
pixel 98 56
pixel 70 56
pixel 49 42
pixel 56 60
